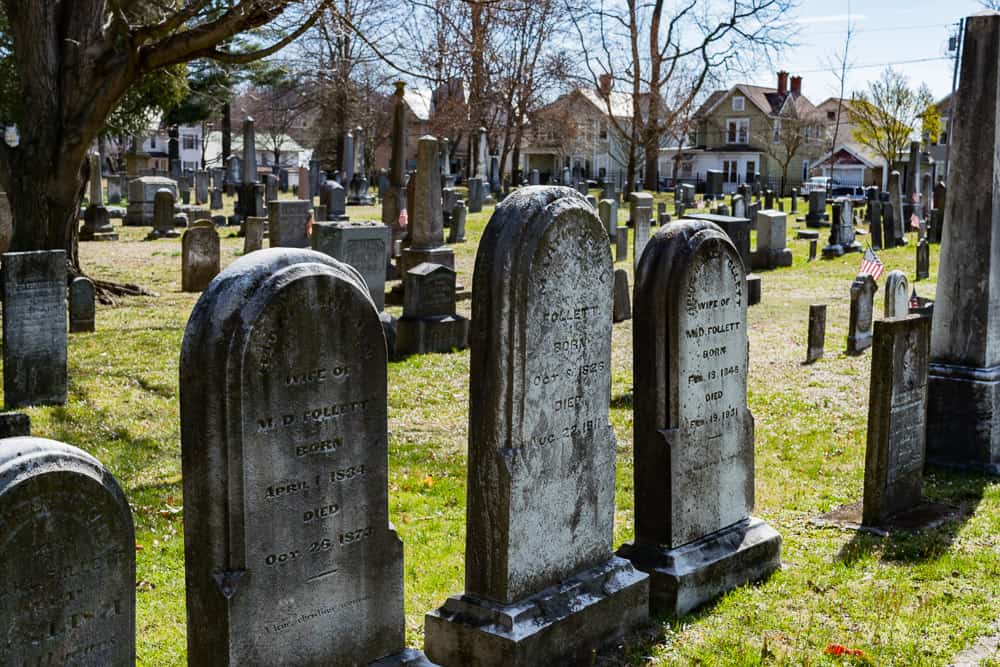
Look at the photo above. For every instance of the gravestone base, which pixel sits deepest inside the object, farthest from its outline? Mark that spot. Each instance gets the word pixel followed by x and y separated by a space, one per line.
pixel 410 657
pixel 963 431
pixel 426 335
pixel 163 234
pixel 561 625
pixel 816 222
pixel 97 225
pixel 687 577
pixel 839 250
pixel 770 259
pixel 753 289
pixel 412 257
pixel 807 235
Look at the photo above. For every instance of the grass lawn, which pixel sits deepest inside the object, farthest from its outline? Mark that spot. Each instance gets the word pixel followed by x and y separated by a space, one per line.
pixel 914 599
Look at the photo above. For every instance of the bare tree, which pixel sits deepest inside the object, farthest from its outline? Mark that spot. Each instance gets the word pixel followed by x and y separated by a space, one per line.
pixel 840 65
pixel 794 133
pixel 887 112
pixel 276 104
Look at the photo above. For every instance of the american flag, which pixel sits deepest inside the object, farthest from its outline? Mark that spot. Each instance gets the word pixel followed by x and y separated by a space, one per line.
pixel 914 300
pixel 914 221
pixel 871 264
pixel 404 219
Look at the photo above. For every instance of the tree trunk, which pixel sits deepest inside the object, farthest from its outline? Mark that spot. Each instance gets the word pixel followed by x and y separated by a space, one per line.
pixel 651 134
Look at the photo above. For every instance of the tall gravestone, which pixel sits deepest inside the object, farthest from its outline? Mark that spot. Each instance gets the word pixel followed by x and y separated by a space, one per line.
pixel 364 246
pixel 333 198
pixel 897 295
pixel 937 214
pixel 200 258
pixel 713 184
pixel 34 328
pixel 542 584
pixel 963 428
pixel 288 223
pixel 923 271
pixel 304 189
pixel 862 316
pixel 816 216
pixel 82 305
pixel 459 215
pixel 253 234
pixel 771 251
pixel 897 418
pixel 67 554
pixel 641 212
pixel 842 233
pixel 394 196
pixel 289 553
pixel 874 214
pixel 201 187
pixel 899 219
pixel 817 332
pixel 694 434
pixel 607 209
pixel 426 220
pixel 163 216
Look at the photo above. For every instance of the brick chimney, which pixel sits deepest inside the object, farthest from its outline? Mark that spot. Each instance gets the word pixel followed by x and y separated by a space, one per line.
pixel 605 88
pixel 782 82
pixel 796 85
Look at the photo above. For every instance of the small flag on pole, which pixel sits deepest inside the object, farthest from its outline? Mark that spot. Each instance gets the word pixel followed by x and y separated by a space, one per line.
pixel 916 197
pixel 404 219
pixel 914 300
pixel 871 264
pixel 914 221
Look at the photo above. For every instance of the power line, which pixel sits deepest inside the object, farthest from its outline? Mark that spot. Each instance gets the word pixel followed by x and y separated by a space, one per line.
pixel 861 31
pixel 874 65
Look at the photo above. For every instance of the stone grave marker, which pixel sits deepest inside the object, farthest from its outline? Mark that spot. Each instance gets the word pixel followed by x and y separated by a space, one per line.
pixel 429 323
pixel 813 246
pixel 937 213
pixel 476 195
pixel 362 245
pixel 289 552
pixel 875 218
pixel 769 199
pixel 608 211
pixel 426 221
pixel 253 235
pixel 897 295
pixel 641 211
pixel 216 199
pixel 34 328
pixel 142 197
pixel 163 216
pixel 897 415
pixel 817 332
pixel 713 184
pixel 795 200
pixel 304 191
pixel 201 187
pixel 899 221
pixel 67 553
pixel 288 223
pixel 270 188
pixel 14 424
pixel 923 260
pixel 81 305
pixel 737 229
pixel 459 214
pixel 771 250
pixel 333 196
pixel 859 336
pixel 200 257
pixel 842 234
pixel 621 244
pixel 687 194
pixel 542 584
pixel 694 533
pixel 623 301
pixel 816 216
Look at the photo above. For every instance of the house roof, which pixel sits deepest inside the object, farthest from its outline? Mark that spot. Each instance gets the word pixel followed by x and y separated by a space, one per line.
pixel 419 101
pixel 861 153
pixel 768 100
pixel 213 145
pixel 621 103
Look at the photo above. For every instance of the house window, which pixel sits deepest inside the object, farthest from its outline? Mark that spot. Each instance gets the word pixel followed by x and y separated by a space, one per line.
pixel 805 170
pixel 729 171
pixel 152 142
pixel 188 142
pixel 831 115
pixel 738 102
pixel 737 130
pixel 777 130
pixel 603 133
pixel 751 171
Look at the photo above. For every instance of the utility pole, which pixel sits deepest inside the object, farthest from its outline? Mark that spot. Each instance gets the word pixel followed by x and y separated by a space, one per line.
pixel 955 45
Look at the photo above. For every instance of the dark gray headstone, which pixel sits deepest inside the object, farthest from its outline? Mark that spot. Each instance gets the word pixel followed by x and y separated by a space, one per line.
pixel 816 216
pixel 429 323
pixel 817 332
pixel 813 246
pixel 201 187
pixel 874 213
pixel 270 188
pixel 199 257
pixel 842 233
pixel 923 260
pixel 289 553
pixel 542 583
pixel 288 223
pixel 253 235
pixel 82 300
pixel 859 333
pixel 67 553
pixel 694 533
pixel 459 215
pixel 216 199
pixel 621 244
pixel 713 183
pixel 142 195
pixel 363 245
pixel 899 217
pixel 737 229
pixel 607 209
pixel 897 418
pixel 14 424
pixel 34 328
pixel 476 195
pixel 641 212
pixel 623 300
pixel 163 215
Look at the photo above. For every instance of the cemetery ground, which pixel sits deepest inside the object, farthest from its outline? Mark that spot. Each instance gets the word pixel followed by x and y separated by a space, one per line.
pixel 907 599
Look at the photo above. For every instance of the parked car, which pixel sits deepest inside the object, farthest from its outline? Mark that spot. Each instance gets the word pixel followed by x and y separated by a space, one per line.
pixel 816 183
pixel 855 194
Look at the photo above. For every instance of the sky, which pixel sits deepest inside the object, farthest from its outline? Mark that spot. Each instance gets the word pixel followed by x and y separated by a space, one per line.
pixel 886 31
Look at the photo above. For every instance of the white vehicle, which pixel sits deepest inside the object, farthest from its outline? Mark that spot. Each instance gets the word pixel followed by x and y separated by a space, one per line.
pixel 816 183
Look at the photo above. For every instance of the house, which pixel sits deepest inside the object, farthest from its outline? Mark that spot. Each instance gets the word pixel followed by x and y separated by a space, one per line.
pixel 750 133
pixel 419 104
pixel 152 152
pixel 291 155
pixel 939 144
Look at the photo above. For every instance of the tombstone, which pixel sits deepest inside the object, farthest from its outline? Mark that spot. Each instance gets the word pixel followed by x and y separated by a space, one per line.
pixel 621 244
pixel 97 225
pixel 288 223
pixel 842 233
pixel 937 214
pixel 215 200
pixel 795 200
pixel 897 295
pixel 429 323
pixel 186 196
pixel 687 194
pixel 115 189
pixel 771 252
pixel 622 307
pixel 270 188
pixel 542 584
pixel 476 195
pixel 694 533
pixel 68 554
pixel 201 187
pixel 641 211
pixel 394 196
pixel 449 197
pixel 199 257
pixel 897 415
pixel 34 328
pixel 286 444
pixel 592 200
pixel 426 222
pixel 609 191
pixel 737 229
pixel 661 212
pixel 253 235
pixel 333 196
pixel 713 184
pixel 899 217
pixel 859 337
pixel 142 197
pixel 304 191
pixel 608 212
pixel 81 305
pixel 456 233
pixel 739 206
pixel 447 179
pixel 567 178
pixel 874 213
pixel 817 333
pixel 769 199
pixel 220 220
pixel 361 245
pixel 494 175
pixel 964 377
pixel 163 216
pixel 888 224
pixel 534 178
pixel 813 246
pixel 816 217
pixel 923 260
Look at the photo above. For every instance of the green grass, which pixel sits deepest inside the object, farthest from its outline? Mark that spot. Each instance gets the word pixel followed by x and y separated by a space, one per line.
pixel 905 600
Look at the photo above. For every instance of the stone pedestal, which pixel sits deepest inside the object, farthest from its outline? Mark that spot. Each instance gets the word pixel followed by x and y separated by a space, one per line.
pixel 429 323
pixel 97 225
pixel 683 579
pixel 579 614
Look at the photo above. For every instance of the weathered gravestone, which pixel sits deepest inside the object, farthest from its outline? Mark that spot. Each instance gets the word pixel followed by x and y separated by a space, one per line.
pixel 253 235
pixel 142 197
pixel 899 220
pixel 641 212
pixel 14 424
pixel 842 230
pixel 201 187
pixel 426 221
pixel 362 245
pixel 163 216
pixel 34 328
pixel 270 188
pixel 621 244
pixel 874 213
pixel 897 295
pixel 81 305
pixel 771 251
pixel 694 434
pixel 288 223
pixel 687 194
pixel 542 583
pixel 769 199
pixel 795 200
pixel 534 178
pixel 817 332
pixel 963 428
pixel 67 554
pixel 923 260
pixel 115 189
pixel 289 553
pixel 449 197
pixel 216 199
pixel 199 257
pixel 97 219
pixel 623 301
pixel 476 195
pixel 934 233
pixel 713 184
pixel 816 216
pixel 738 206
pixel 859 336
pixel 304 191
pixel 429 323
pixel 897 415
pixel 333 196
pixel 459 215
pixel 737 229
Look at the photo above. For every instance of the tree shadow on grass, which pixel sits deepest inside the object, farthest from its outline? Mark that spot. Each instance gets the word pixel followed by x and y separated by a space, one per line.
pixel 623 400
pixel 961 491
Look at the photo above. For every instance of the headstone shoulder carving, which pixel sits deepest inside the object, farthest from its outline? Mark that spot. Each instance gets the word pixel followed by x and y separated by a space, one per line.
pixel 60 506
pixel 862 316
pixel 897 295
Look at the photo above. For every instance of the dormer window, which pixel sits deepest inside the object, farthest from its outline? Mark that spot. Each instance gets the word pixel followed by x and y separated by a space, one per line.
pixel 738 101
